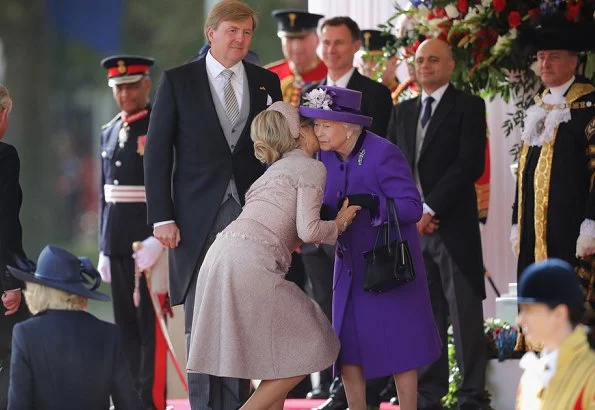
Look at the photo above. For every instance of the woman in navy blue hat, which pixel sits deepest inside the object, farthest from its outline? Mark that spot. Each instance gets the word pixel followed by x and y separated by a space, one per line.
pixel 552 306
pixel 64 357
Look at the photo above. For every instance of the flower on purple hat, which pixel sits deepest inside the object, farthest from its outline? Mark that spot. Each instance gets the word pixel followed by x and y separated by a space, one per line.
pixel 319 98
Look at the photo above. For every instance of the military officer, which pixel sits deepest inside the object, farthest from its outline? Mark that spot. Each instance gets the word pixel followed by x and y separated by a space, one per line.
pixel 374 63
pixel 122 220
pixel 301 66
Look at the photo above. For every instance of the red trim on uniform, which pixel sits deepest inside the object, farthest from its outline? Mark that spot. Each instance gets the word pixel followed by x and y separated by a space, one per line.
pixel 160 377
pixel 139 115
pixel 130 69
pixel 578 404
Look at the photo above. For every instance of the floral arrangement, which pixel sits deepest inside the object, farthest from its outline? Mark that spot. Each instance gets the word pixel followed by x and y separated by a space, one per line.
pixel 481 33
pixel 319 98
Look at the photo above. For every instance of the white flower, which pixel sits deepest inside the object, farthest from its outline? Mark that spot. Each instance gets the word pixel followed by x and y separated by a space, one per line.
pixel 486 3
pixel 452 11
pixel 318 98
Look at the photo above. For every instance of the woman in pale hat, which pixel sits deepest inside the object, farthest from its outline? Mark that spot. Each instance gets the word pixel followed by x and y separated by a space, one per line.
pixel 64 357
pixel 249 322
pixel 381 334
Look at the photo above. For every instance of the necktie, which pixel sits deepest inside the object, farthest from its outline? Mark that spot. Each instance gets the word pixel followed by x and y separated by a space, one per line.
pixel 427 111
pixel 231 102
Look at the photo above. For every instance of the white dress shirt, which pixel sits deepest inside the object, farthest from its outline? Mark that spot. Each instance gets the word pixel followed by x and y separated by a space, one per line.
pixel 341 81
pixel 560 90
pixel 214 70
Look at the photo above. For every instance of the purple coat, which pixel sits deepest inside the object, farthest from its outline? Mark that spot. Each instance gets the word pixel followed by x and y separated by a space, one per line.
pixel 395 330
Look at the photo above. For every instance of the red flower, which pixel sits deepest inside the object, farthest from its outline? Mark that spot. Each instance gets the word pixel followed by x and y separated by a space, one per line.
pixel 439 12
pixel 410 51
pixel 463 6
pixel 431 16
pixel 533 13
pixel 573 7
pixel 514 19
pixel 499 5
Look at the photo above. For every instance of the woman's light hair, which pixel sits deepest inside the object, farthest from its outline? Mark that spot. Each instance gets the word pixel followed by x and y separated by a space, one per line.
pixel 5 101
pixel 229 10
pixel 40 298
pixel 272 136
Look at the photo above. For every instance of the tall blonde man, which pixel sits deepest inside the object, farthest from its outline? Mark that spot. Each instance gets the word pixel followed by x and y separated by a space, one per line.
pixel 201 123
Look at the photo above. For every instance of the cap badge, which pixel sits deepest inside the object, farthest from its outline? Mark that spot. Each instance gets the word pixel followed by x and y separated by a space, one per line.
pixel 121 67
pixel 367 36
pixel 292 17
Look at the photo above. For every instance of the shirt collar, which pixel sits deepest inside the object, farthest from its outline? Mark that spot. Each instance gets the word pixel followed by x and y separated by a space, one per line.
pixel 437 94
pixel 560 90
pixel 215 68
pixel 341 81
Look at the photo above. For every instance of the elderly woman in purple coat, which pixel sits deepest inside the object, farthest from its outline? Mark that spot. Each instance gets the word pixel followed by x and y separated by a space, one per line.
pixel 381 333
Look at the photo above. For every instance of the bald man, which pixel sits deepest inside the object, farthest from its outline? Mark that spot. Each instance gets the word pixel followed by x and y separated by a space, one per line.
pixel 442 133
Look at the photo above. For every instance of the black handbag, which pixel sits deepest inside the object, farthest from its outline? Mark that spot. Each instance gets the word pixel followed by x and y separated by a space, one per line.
pixel 390 265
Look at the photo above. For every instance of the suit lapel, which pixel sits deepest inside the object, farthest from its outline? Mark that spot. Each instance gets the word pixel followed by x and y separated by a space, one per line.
pixel 355 82
pixel 255 88
pixel 411 118
pixel 112 140
pixel 199 81
pixel 444 107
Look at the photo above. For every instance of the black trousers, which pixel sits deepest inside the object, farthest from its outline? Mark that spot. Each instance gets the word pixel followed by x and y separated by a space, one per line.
pixel 137 325
pixel 453 301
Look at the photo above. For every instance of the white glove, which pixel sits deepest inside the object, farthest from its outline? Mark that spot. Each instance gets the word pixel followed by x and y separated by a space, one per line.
pixel 514 239
pixel 104 268
pixel 585 246
pixel 149 253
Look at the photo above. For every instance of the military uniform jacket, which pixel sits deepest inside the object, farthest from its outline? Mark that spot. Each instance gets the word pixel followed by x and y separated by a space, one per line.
pixel 572 387
pixel 120 224
pixel 554 185
pixel 292 83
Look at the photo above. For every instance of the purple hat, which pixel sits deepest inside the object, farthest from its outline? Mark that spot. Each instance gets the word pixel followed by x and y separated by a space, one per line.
pixel 334 104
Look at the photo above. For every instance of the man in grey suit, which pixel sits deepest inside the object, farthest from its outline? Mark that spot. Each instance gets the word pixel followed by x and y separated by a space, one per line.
pixel 442 133
pixel 199 162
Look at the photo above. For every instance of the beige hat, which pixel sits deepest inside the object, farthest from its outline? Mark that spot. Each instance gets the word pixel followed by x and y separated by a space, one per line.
pixel 291 114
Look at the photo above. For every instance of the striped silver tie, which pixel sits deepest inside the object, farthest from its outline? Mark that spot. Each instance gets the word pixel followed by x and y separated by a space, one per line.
pixel 231 102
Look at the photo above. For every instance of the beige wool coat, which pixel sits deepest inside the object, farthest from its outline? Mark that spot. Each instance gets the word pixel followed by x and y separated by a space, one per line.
pixel 249 322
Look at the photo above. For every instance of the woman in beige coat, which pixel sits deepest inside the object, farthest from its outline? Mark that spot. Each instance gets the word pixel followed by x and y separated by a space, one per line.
pixel 249 322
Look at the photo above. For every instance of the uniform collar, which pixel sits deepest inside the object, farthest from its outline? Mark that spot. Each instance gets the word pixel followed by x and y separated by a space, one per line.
pixel 561 90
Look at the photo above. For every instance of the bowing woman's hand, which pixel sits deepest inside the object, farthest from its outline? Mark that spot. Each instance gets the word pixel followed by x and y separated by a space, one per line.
pixel 346 215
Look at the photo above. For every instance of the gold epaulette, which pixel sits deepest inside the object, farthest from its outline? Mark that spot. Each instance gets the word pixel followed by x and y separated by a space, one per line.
pixel 109 124
pixel 274 64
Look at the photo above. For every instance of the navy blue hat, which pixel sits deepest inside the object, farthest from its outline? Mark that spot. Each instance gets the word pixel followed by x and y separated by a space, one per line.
pixel 59 269
pixel 374 40
pixel 123 69
pixel 552 282
pixel 295 23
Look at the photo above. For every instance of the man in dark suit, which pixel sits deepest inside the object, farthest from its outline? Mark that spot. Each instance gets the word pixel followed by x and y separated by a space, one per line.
pixel 442 134
pixel 64 357
pixel 201 122
pixel 341 39
pixel 12 308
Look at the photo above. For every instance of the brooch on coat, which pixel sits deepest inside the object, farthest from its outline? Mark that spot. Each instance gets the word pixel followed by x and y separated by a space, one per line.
pixel 140 145
pixel 360 158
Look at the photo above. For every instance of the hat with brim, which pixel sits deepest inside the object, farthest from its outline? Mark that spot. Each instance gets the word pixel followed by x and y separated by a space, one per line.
pixel 126 69
pixel 293 23
pixel 552 282
pixel 59 269
pixel 555 32
pixel 334 104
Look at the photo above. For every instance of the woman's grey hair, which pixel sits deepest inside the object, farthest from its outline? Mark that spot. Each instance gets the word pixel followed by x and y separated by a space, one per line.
pixel 5 100
pixel 40 298
pixel 272 136
pixel 355 129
